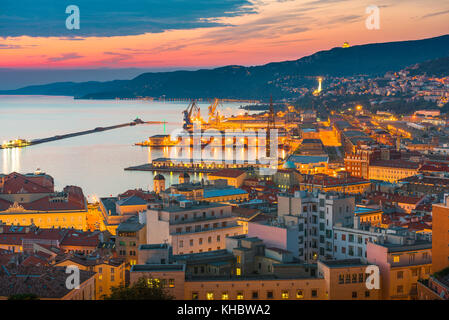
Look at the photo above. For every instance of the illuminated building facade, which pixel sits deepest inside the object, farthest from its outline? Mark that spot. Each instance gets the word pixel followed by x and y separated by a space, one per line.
pixel 401 265
pixel 30 199
pixel 192 226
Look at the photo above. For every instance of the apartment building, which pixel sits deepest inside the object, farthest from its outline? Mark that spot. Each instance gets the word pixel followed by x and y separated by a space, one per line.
pixel 440 235
pixel 351 242
pixel 313 215
pixel 108 272
pixel 402 264
pixel 192 226
pixel 130 235
pixel 346 280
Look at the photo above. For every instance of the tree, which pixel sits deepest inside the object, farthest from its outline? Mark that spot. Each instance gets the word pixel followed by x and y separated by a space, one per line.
pixel 142 289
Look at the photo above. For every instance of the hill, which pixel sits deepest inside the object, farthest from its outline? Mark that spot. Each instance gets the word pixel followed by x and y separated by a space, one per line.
pixel 433 68
pixel 258 82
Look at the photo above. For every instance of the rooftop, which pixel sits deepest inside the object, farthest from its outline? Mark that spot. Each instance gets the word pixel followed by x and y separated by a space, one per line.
pixel 130 225
pixel 345 263
pixel 228 173
pixel 131 201
pixel 157 267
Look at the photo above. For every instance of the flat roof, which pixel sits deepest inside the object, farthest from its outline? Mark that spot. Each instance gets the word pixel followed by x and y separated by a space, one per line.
pixel 418 245
pixel 157 267
pixel 345 263
pixel 158 246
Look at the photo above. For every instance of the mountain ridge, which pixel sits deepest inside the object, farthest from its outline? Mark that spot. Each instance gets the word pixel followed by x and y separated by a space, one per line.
pixel 256 82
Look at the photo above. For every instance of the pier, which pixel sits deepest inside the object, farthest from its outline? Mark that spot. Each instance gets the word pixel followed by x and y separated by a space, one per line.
pixel 20 143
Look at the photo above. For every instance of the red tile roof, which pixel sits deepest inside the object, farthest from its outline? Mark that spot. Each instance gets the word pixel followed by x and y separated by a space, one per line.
pixel 17 183
pixel 228 173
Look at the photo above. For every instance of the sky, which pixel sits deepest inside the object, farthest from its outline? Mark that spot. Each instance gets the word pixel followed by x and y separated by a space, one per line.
pixel 170 34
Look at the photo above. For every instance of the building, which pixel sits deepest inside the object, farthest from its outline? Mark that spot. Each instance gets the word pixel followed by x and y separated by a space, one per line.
pixel 31 199
pixel 326 183
pixel 250 270
pixel 372 216
pixel 170 276
pixel 115 210
pixel 402 264
pixel 130 235
pixel 24 238
pixel 311 147
pixel 402 203
pixel 310 164
pixel 109 272
pixel 267 287
pixel 313 215
pixel 440 235
pixel 392 171
pixel 191 227
pixel 217 191
pixel 352 242
pixel 46 282
pixel 358 161
pixel 244 216
pixel 436 287
pixel 234 177
pixel 158 183
pixel 346 280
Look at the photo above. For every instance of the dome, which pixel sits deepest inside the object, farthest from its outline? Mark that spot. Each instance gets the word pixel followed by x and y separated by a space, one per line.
pixel 289 165
pixel 159 177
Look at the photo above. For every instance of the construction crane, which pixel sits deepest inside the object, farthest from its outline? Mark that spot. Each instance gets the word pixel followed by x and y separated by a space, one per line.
pixel 214 115
pixel 191 114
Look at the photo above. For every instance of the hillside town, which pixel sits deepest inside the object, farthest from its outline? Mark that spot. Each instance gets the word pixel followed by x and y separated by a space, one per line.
pixel 353 190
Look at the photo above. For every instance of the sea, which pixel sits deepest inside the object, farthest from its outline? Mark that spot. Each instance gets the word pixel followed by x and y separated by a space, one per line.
pixel 94 162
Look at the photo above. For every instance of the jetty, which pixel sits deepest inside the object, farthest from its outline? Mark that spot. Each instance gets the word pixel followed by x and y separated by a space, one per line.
pixel 21 143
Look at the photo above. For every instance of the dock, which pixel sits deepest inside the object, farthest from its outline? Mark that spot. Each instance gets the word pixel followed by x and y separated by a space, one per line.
pixel 21 143
pixel 152 168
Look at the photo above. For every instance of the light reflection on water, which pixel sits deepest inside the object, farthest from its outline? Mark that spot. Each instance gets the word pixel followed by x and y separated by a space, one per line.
pixel 94 162
pixel 11 160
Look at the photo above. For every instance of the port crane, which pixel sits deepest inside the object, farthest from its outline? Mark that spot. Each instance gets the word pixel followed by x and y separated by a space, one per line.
pixel 191 114
pixel 214 114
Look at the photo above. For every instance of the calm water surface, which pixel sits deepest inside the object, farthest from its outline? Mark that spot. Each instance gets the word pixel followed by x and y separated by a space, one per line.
pixel 96 161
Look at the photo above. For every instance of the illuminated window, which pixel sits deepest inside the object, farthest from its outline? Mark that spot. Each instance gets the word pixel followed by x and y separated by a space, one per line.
pixel 210 296
pixel 299 294
pixel 396 259
pixel 194 295
pixel 224 296
pixel 239 295
pixel 239 259
pixel 238 271
pixel 171 283
pixel 284 294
